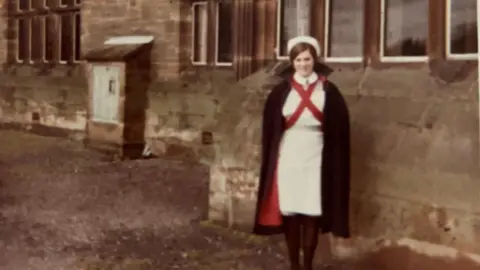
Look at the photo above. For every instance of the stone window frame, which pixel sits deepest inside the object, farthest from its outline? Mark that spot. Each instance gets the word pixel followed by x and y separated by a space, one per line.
pixel 59 8
pixel 449 54
pixel 212 34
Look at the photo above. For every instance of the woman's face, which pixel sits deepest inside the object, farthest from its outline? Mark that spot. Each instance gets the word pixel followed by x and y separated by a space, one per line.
pixel 303 63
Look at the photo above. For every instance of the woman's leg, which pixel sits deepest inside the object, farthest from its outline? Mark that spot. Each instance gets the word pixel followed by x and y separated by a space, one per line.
pixel 292 224
pixel 310 240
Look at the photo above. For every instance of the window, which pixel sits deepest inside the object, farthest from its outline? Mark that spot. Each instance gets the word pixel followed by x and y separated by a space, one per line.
pixel 50 3
pixel 287 25
pixel 343 29
pixel 37 34
pixel 47 31
pixel 66 37
pixel 462 29
pixel 404 30
pixel 51 28
pixel 223 51
pixel 221 33
pixel 24 5
pixel 23 39
pixel 200 26
pixel 344 26
pixel 67 2
pixel 351 30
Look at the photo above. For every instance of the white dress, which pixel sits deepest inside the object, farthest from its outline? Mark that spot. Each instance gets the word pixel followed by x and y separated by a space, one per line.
pixel 300 156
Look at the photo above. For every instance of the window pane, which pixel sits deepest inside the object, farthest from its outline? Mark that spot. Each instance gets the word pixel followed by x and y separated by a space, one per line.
pixel 37 38
pixel 23 4
pixel 78 34
pixel 22 39
pixel 345 33
pixel 50 38
pixel 67 2
pixel 200 33
pixel 406 27
pixel 224 53
pixel 66 37
pixel 38 4
pixel 463 26
pixel 288 24
pixel 51 3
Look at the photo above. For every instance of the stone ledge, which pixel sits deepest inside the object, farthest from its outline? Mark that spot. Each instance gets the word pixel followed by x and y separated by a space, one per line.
pixel 43 130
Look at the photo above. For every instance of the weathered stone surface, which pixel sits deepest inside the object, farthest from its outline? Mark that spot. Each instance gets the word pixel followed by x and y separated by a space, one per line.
pixel 377 216
pixel 58 93
pixel 349 80
pixel 414 152
pixel 242 213
pixel 59 102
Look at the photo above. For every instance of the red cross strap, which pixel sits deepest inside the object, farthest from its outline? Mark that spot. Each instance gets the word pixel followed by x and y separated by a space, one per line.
pixel 305 102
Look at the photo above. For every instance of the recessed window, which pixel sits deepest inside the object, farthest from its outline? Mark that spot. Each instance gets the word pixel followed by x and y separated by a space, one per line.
pixel 210 26
pixel 404 27
pixel 24 5
pixel 67 2
pixel 38 37
pixel 344 27
pixel 200 26
pixel 23 39
pixel 223 52
pixel 46 35
pixel 66 37
pixel 77 33
pixel 462 39
pixel 51 3
pixel 50 38
pixel 286 26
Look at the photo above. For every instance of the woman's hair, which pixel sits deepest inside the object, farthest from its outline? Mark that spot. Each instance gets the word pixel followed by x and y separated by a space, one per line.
pixel 301 47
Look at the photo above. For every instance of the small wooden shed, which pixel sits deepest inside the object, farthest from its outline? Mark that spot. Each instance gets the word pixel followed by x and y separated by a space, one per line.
pixel 119 74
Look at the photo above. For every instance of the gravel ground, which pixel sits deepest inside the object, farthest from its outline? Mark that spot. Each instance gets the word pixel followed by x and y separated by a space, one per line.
pixel 66 207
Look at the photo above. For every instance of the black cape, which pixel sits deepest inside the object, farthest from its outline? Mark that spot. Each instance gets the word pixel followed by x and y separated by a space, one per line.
pixel 335 167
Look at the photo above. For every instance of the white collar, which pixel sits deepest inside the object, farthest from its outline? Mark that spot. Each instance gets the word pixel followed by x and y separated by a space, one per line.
pixel 303 80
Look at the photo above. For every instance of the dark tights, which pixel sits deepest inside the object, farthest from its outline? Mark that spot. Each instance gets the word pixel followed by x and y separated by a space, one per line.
pixel 301 231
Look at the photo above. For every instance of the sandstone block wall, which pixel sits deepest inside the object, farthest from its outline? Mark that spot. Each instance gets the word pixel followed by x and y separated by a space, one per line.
pixel 56 96
pixel 414 157
pixel 180 111
pixel 167 21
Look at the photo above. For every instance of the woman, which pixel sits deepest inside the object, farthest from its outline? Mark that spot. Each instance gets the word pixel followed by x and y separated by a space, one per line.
pixel 305 170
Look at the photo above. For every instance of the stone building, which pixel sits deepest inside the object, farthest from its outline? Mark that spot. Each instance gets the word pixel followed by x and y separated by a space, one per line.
pixel 406 67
